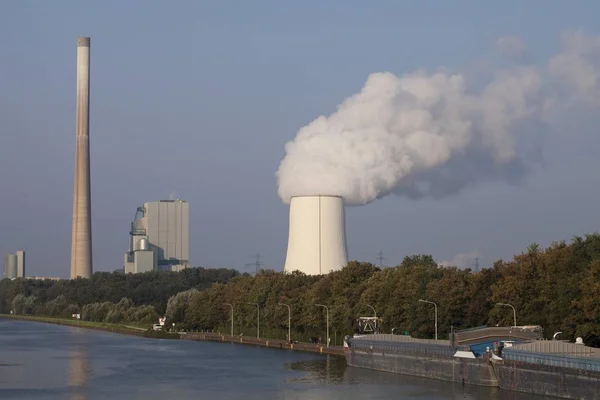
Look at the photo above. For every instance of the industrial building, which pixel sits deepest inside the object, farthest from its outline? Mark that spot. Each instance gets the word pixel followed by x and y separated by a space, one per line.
pixel 317 235
pixel 159 237
pixel 14 265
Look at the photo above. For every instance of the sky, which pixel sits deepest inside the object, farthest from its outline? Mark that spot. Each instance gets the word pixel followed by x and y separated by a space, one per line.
pixel 197 100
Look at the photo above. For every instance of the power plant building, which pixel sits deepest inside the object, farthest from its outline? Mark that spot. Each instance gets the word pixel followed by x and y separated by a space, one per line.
pixel 14 265
pixel 10 266
pixel 317 236
pixel 20 263
pixel 159 237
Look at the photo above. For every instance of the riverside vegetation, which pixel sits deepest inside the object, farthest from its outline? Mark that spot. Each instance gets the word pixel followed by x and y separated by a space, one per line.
pixel 557 288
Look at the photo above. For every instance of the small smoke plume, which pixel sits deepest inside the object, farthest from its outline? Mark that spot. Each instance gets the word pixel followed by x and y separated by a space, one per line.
pixel 431 135
pixel 463 260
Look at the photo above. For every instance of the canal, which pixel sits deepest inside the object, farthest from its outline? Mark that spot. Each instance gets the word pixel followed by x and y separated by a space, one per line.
pixel 43 361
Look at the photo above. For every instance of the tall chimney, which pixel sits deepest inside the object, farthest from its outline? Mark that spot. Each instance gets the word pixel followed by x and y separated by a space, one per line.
pixel 81 235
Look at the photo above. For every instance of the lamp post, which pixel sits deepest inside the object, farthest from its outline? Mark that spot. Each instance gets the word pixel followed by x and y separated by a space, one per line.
pixel 258 319
pixel 327 319
pixel 372 308
pixel 230 305
pixel 289 321
pixel 514 311
pixel 435 306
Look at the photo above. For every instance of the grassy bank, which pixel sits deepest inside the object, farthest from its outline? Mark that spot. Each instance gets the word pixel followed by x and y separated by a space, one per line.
pixel 101 326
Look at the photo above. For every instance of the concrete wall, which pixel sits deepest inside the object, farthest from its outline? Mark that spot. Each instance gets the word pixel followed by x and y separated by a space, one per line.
pixel 144 261
pixel 317 237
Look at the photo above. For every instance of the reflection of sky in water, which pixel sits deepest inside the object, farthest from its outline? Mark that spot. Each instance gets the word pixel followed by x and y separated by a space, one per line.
pixel 42 361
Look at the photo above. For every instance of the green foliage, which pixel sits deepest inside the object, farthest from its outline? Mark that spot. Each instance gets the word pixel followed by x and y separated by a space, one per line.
pixel 150 288
pixel 557 288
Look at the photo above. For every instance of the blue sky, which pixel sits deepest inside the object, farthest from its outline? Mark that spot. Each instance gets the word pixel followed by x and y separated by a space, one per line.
pixel 199 98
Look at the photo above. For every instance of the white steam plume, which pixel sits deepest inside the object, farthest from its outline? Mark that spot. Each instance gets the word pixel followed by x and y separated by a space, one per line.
pixel 463 260
pixel 424 134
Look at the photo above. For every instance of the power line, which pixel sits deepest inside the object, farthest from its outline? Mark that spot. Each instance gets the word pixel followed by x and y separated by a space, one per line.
pixel 257 263
pixel 380 257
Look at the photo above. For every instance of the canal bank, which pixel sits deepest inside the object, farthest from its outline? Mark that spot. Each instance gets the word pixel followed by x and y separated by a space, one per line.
pixel 263 342
pixel 196 336
pixel 115 328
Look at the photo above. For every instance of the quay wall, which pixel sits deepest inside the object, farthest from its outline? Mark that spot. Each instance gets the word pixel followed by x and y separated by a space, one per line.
pixel 263 342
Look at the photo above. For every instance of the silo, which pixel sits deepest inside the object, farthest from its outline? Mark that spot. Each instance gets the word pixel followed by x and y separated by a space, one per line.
pixel 317 237
pixel 11 266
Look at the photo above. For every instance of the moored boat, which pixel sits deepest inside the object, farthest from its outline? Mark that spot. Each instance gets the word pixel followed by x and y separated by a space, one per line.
pixel 512 358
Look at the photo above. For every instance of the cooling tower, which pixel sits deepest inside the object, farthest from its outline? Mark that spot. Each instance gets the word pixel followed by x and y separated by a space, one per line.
pixel 81 235
pixel 317 237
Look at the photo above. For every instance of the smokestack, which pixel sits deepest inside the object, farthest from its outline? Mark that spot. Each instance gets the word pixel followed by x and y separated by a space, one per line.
pixel 81 235
pixel 317 237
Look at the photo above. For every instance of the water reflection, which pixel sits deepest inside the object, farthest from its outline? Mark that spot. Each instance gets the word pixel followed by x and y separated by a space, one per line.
pixel 49 362
pixel 329 370
pixel 334 371
pixel 79 371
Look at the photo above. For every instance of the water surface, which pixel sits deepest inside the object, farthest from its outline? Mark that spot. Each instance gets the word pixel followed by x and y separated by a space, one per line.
pixel 44 361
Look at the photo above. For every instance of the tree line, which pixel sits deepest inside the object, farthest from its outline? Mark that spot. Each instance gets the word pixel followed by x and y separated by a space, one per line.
pixel 106 297
pixel 557 288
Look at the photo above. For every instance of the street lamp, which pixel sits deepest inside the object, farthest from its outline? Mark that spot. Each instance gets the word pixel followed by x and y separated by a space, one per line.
pixel 435 305
pixel 327 319
pixel 258 319
pixel 230 305
pixel 289 321
pixel 514 312
pixel 372 308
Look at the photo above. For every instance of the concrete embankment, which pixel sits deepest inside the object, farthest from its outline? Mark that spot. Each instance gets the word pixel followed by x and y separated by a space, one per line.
pixel 271 343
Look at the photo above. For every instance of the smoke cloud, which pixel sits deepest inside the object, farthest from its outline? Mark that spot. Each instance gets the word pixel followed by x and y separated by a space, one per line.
pixel 463 260
pixel 432 135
